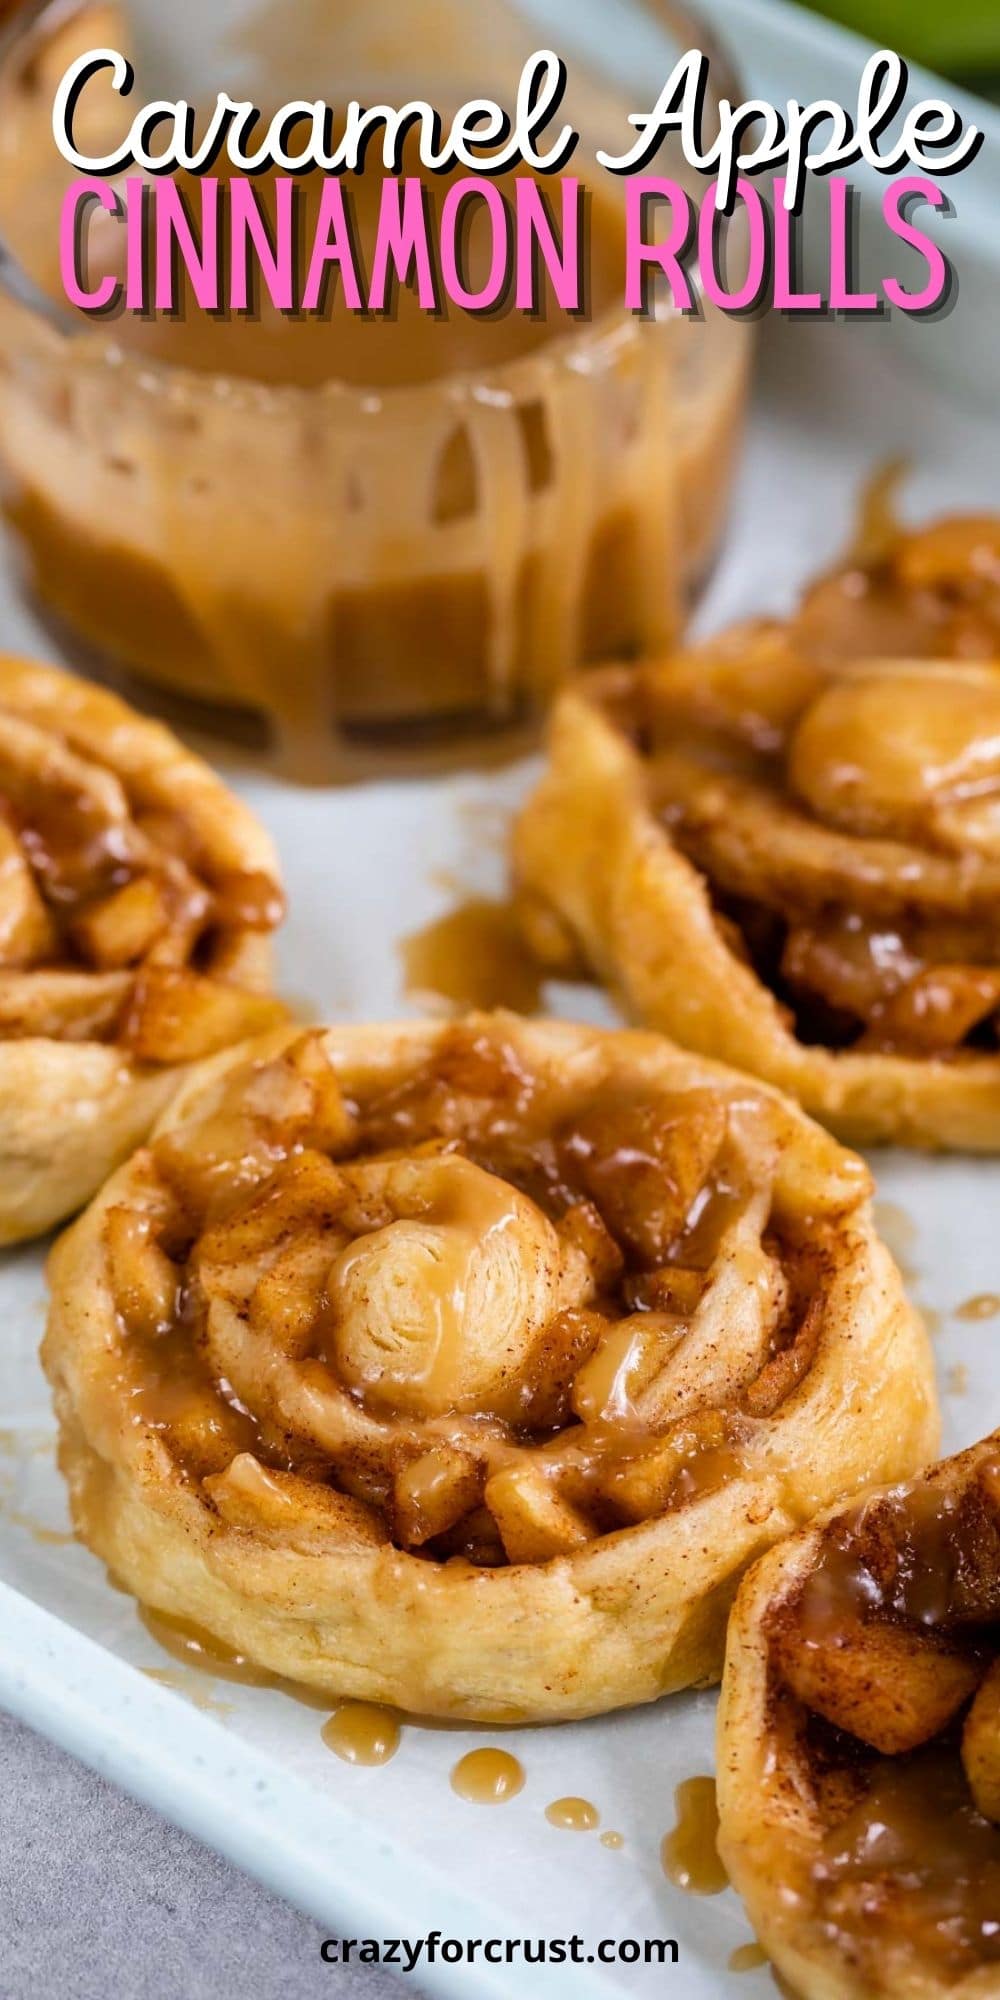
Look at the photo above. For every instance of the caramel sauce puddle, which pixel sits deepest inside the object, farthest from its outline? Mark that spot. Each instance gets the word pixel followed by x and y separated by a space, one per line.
pixel 985 1305
pixel 361 1732
pixel 576 1815
pixel 487 1777
pixel 689 1854
pixel 473 957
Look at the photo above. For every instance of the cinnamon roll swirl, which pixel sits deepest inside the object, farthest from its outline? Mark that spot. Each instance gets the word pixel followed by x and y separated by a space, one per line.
pixel 859 1743
pixel 791 859
pixel 466 1366
pixel 136 898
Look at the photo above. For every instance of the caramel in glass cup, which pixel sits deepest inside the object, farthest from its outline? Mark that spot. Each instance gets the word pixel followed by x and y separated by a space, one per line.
pixel 390 541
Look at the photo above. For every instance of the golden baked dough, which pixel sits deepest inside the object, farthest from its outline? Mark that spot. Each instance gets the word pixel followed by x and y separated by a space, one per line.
pixel 791 859
pixel 466 1366
pixel 859 1743
pixel 136 895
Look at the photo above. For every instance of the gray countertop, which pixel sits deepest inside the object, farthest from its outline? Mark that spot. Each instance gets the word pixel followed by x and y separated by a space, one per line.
pixel 100 1896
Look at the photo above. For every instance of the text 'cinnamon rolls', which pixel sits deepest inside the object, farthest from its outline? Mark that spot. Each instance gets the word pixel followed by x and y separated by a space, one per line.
pixel 788 854
pixel 136 895
pixel 859 1743
pixel 466 1366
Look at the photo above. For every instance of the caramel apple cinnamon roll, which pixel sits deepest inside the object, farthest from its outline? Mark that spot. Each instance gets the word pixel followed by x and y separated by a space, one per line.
pixel 136 898
pixel 466 1366
pixel 791 863
pixel 859 1743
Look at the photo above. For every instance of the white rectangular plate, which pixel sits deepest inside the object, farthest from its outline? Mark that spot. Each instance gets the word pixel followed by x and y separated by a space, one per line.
pixel 393 1852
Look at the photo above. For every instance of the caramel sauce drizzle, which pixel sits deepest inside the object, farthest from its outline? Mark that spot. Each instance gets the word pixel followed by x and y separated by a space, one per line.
pixel 575 1815
pixel 473 956
pixel 984 1305
pixel 747 1958
pixel 192 1646
pixel 360 1732
pixel 200 1652
pixel 689 1853
pixel 916 1844
pixel 487 1777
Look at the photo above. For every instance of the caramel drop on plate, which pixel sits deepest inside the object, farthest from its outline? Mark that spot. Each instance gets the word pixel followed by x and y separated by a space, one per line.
pixel 747 1958
pixel 689 1853
pixel 612 1839
pixel 487 1777
pixel 577 1815
pixel 985 1305
pixel 362 1733
pixel 473 956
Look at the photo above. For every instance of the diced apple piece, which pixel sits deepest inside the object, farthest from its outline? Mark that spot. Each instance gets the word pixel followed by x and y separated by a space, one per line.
pixel 287 1300
pixel 643 1162
pixel 27 933
pixel 935 1011
pixel 981 1745
pixel 432 1492
pixel 68 1006
pixel 298 1091
pixel 303 1512
pixel 949 551
pixel 308 1194
pixel 143 1280
pixel 178 1016
pixel 671 1289
pixel 555 1364
pixel 202 1431
pixel 891 1687
pixel 640 1487
pixel 628 1354
pixel 248 900
pixel 584 1230
pixel 535 1523
pixel 121 928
